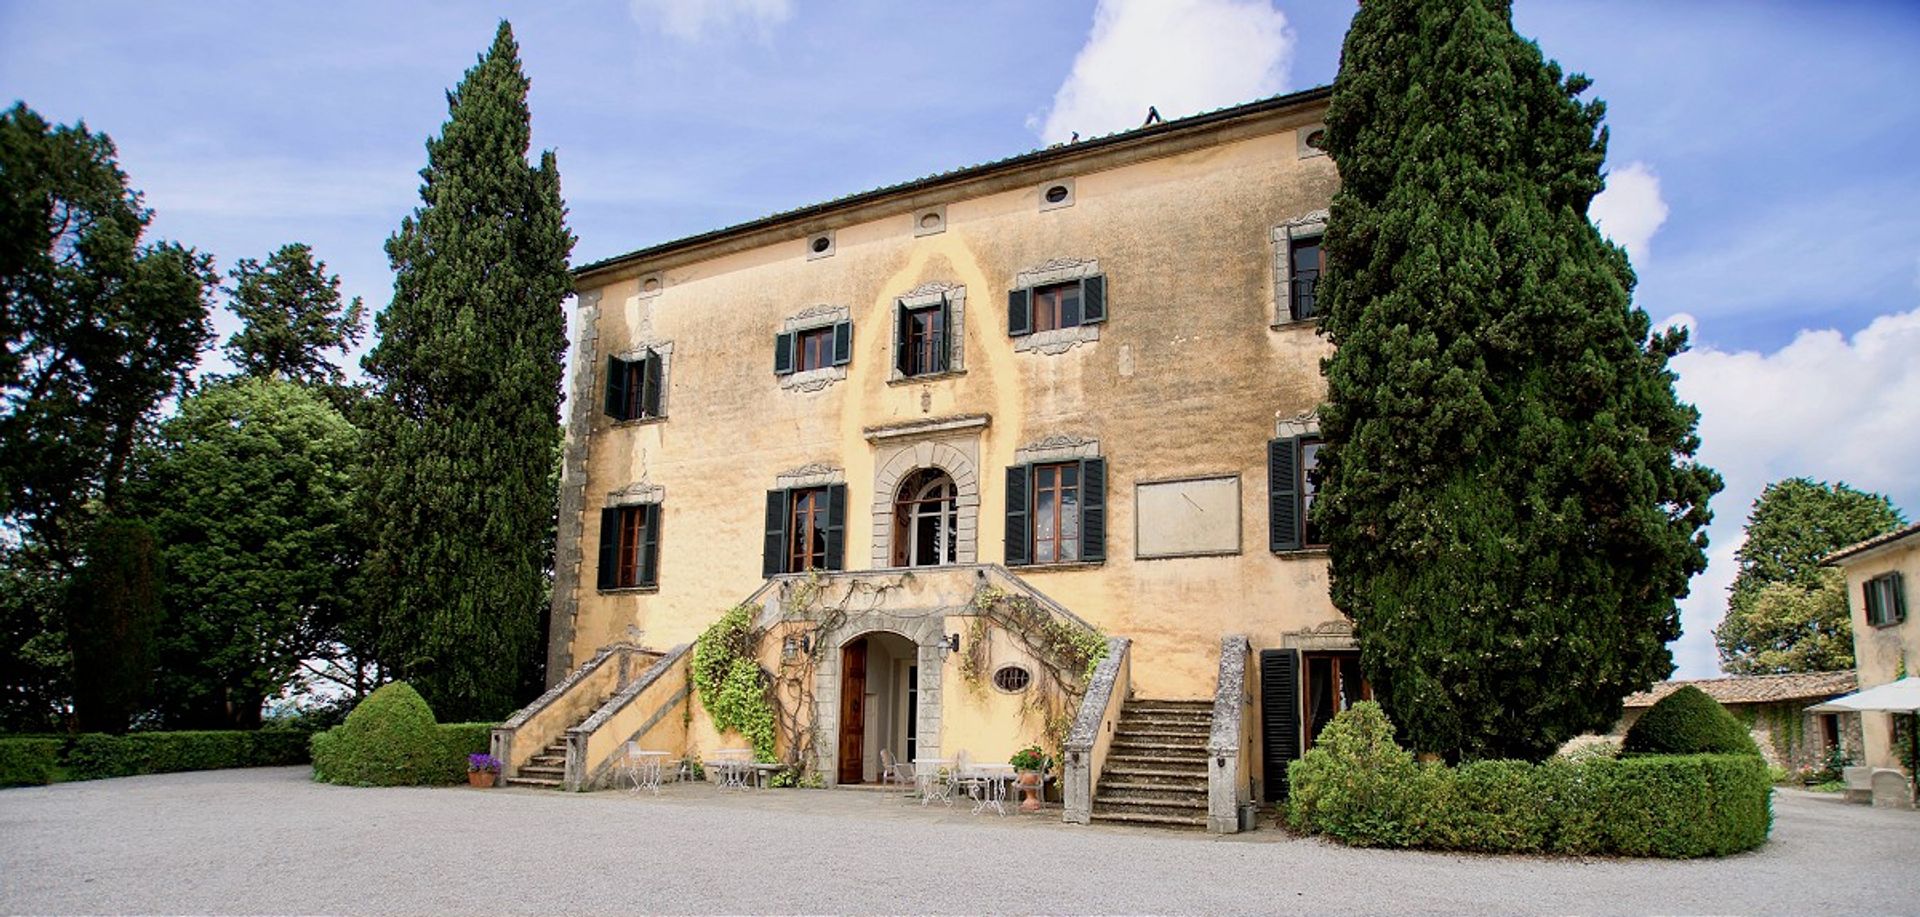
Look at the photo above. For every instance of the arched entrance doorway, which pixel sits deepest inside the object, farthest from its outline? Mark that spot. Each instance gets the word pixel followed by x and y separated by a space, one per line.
pixel 879 704
pixel 926 520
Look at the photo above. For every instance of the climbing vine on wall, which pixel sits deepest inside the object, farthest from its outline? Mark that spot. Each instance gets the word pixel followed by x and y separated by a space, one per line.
pixel 727 677
pixel 1067 653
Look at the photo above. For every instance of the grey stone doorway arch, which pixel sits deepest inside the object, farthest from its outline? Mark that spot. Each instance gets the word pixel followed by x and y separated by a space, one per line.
pixel 927 633
pixel 895 461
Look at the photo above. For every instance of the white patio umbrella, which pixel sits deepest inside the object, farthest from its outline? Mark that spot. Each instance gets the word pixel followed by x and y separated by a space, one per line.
pixel 1901 696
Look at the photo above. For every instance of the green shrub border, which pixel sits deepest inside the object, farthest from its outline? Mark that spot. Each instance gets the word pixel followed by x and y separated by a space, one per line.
pixel 457 741
pixel 1357 787
pixel 38 761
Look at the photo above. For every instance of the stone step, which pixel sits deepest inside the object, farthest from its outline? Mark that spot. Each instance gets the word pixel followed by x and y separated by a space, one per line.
pixel 1191 791
pixel 1158 772
pixel 1141 704
pixel 1151 819
pixel 1165 721
pixel 547 782
pixel 1194 759
pixel 548 760
pixel 1155 745
pixel 1165 730
pixel 1149 804
pixel 539 770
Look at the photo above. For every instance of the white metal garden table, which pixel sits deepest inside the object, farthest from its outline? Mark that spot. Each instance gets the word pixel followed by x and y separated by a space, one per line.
pixel 644 769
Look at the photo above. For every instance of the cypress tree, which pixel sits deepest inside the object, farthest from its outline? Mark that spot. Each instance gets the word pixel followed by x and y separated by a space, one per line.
pixel 1507 484
pixel 465 422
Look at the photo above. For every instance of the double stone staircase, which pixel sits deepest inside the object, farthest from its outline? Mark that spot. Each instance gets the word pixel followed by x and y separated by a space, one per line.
pixel 1156 768
pixel 547 769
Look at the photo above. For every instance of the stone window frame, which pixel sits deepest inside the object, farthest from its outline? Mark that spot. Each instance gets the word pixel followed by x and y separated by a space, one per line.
pixel 657 279
pixel 1040 195
pixel 1310 226
pixel 1060 340
pixel 1300 427
pixel 1302 148
pixel 944 454
pixel 939 214
pixel 811 319
pixel 921 297
pixel 1052 450
pixel 815 474
pixel 828 252
pixel 638 493
pixel 663 350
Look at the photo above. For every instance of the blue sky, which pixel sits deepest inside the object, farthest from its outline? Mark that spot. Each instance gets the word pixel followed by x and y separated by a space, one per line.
pixel 1764 177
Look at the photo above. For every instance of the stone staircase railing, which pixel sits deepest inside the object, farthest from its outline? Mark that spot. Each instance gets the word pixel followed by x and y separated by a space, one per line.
pixel 1230 772
pixel 574 699
pixel 1092 732
pixel 646 711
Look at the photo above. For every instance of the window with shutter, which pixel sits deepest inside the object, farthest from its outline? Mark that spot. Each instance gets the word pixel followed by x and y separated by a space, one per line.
pixel 1279 718
pixel 615 403
pixel 783 353
pixel 1017 548
pixel 813 348
pixel 1056 306
pixel 654 379
pixel 842 343
pixel 836 546
pixel 923 341
pixel 1093 510
pixel 629 547
pixel 774 561
pixel 1283 494
pixel 1307 263
pixel 1093 300
pixel 608 574
pixel 633 387
pixel 650 546
pixel 1886 600
pixel 1019 313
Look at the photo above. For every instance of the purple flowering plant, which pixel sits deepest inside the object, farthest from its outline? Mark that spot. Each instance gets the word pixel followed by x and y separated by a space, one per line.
pixel 483 762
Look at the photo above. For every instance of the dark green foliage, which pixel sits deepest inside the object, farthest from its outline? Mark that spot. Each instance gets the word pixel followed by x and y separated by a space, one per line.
pixel 249 487
pixel 113 613
pixel 1784 613
pixel 1361 789
pixel 34 659
pixel 1688 722
pixel 28 762
pixel 1506 485
pixel 291 317
pixel 392 740
pixel 465 423
pixel 92 756
pixel 98 327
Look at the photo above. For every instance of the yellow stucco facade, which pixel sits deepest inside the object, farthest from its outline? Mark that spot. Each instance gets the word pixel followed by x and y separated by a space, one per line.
pixel 1194 369
pixel 1883 652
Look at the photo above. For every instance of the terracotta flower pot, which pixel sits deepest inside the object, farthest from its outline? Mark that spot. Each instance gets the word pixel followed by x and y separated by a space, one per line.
pixel 481 779
pixel 1029 783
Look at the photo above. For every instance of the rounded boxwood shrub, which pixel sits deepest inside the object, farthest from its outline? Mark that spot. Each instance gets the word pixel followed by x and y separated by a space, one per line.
pixel 390 739
pixel 1688 722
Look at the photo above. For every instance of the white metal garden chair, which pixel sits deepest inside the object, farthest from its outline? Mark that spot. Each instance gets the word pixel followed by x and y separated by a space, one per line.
pixel 893 770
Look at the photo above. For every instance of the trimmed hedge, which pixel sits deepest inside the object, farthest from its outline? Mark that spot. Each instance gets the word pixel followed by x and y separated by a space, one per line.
pixel 28 762
pixel 390 739
pixel 94 756
pixel 1358 787
pixel 1688 722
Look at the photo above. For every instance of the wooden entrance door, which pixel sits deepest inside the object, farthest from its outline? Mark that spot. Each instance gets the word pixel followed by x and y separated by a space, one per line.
pixel 853 711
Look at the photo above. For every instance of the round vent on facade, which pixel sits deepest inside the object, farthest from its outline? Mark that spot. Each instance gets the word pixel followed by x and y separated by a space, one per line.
pixel 1012 679
pixel 1057 193
pixel 1318 139
pixel 821 244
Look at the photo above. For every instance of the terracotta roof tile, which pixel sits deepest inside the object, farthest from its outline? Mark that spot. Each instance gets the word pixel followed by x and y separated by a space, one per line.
pixel 1756 689
pixel 1870 544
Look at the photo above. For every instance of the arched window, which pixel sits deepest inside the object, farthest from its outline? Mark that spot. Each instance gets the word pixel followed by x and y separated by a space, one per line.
pixel 926 520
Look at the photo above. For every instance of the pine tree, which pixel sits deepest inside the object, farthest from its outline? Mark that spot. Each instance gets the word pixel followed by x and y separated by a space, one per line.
pixel 1507 484
pixel 291 316
pixel 465 420
pixel 113 610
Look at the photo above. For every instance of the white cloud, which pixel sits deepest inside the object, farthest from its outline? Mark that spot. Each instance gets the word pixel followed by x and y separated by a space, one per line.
pixel 1825 406
pixel 1180 56
pixel 692 20
pixel 1630 210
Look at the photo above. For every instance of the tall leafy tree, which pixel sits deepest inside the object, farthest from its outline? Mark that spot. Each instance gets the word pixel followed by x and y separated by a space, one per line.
pixel 35 662
pixel 1784 613
pixel 465 421
pixel 99 327
pixel 113 613
pixel 1507 484
pixel 249 488
pixel 291 317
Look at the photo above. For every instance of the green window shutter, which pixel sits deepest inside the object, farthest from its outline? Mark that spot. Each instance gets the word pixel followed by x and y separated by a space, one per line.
pixel 650 394
pixel 843 343
pixel 1283 494
pixel 943 337
pixel 650 545
pixel 1897 594
pixel 774 562
pixel 1093 510
pixel 1018 541
pixel 783 353
pixel 902 325
pixel 1019 313
pixel 1093 300
pixel 616 400
pixel 1279 718
pixel 836 527
pixel 609 577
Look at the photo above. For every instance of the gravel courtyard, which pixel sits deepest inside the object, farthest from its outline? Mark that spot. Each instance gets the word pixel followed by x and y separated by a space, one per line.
pixel 269 840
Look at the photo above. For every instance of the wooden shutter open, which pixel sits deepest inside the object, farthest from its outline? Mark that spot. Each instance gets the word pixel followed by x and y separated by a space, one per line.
pixel 1093 300
pixel 836 527
pixel 1019 313
pixel 1017 538
pixel 783 353
pixel 943 337
pixel 616 389
pixel 774 562
pixel 1093 510
pixel 902 338
pixel 842 343
pixel 609 573
pixel 650 393
pixel 1279 718
pixel 650 545
pixel 1283 494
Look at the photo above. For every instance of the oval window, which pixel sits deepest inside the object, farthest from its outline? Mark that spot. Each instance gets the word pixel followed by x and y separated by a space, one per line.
pixel 1318 139
pixel 1012 679
pixel 929 220
pixel 1056 194
pixel 821 244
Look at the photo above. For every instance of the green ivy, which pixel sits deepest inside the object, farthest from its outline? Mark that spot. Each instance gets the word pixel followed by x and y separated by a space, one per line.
pixel 727 678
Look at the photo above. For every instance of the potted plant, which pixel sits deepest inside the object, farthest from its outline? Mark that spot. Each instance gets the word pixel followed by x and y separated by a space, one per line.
pixel 481 769
pixel 1030 762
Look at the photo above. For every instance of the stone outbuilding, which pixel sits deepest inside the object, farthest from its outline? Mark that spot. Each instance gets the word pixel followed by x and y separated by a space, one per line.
pixel 1773 707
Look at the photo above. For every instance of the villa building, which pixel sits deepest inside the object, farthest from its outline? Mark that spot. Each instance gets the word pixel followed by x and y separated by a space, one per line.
pixel 933 433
